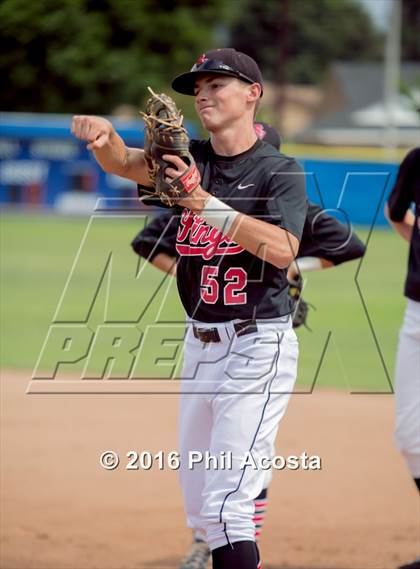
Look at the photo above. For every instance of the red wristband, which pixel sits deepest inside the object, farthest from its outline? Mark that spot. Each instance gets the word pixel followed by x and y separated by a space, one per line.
pixel 190 179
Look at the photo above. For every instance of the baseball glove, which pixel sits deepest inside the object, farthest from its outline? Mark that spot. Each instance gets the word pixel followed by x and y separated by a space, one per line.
pixel 299 307
pixel 165 134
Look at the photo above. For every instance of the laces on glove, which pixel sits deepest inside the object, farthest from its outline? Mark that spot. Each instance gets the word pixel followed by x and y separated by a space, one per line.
pixel 165 134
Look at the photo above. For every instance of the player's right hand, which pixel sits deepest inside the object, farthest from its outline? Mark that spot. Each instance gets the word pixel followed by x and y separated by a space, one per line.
pixel 95 130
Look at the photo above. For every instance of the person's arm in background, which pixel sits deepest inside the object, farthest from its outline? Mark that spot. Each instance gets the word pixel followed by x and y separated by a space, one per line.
pixel 109 149
pixel 404 227
pixel 165 263
pixel 397 208
pixel 156 242
pixel 306 264
pixel 325 243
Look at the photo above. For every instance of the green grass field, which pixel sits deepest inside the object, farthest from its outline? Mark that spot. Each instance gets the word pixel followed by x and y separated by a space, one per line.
pixel 108 284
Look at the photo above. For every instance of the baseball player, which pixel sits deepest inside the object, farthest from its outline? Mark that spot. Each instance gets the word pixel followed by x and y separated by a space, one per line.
pixel 325 243
pixel 238 232
pixel 407 369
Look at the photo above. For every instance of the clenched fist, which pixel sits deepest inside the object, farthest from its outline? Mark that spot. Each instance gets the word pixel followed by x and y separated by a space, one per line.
pixel 95 130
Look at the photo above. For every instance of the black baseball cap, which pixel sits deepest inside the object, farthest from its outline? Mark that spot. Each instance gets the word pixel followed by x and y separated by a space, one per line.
pixel 224 61
pixel 267 133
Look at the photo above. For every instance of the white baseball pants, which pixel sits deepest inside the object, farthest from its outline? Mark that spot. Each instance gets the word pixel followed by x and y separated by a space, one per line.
pixel 233 396
pixel 407 389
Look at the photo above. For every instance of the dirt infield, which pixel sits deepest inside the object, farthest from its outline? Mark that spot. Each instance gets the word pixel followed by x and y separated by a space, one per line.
pixel 60 509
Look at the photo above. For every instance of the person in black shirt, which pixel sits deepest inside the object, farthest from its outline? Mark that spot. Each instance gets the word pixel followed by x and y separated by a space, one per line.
pixel 406 222
pixel 238 232
pixel 325 243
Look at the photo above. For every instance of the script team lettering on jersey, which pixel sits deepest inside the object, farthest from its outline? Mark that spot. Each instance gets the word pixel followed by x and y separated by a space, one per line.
pixel 196 237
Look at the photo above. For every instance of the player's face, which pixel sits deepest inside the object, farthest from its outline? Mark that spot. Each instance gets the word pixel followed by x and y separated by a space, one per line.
pixel 220 100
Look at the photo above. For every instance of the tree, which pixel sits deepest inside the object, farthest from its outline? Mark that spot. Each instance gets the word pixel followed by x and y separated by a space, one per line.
pixel 410 26
pixel 88 56
pixel 296 40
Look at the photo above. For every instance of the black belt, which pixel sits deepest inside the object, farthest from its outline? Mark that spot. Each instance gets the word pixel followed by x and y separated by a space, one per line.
pixel 207 335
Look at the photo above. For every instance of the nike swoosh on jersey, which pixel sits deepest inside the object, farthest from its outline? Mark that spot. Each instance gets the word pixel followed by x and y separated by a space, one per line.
pixel 241 187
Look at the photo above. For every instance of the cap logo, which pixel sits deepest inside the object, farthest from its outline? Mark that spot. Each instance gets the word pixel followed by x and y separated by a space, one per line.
pixel 202 59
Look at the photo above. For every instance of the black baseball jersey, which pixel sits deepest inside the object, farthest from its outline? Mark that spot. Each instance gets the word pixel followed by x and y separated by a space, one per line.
pixel 405 193
pixel 159 236
pixel 217 279
pixel 323 236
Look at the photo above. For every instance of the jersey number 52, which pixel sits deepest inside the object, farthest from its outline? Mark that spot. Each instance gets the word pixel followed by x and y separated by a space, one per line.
pixel 235 279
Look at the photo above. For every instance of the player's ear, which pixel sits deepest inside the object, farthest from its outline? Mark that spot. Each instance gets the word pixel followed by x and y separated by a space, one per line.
pixel 254 92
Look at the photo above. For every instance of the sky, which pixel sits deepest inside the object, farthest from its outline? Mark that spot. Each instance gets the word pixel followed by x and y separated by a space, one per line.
pixel 379 11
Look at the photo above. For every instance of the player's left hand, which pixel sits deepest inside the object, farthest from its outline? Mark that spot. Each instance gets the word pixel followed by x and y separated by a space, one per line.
pixel 195 200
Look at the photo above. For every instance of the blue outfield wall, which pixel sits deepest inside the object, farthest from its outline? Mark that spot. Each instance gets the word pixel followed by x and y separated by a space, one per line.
pixel 40 162
pixel 357 189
